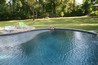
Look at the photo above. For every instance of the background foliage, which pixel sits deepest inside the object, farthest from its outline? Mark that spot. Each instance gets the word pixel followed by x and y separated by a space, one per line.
pixel 22 9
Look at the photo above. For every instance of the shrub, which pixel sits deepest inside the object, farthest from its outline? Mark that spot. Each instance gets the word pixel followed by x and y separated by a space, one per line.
pixel 62 14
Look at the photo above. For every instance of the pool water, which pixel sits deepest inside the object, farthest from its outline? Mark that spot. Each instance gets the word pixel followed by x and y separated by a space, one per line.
pixel 58 47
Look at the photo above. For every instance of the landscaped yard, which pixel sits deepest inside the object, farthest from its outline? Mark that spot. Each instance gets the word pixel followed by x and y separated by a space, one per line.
pixel 85 23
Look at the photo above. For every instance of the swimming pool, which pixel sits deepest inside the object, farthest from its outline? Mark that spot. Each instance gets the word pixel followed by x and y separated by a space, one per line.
pixel 54 47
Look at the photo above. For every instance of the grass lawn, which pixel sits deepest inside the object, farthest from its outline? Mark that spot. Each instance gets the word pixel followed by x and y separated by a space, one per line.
pixel 85 23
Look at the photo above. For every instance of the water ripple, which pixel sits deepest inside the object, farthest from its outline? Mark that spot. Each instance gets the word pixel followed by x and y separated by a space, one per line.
pixel 53 48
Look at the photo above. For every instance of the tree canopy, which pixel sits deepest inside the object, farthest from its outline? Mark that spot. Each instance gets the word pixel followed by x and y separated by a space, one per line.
pixel 21 9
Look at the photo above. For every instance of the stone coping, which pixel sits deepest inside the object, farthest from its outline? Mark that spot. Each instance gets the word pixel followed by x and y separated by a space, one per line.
pixel 31 30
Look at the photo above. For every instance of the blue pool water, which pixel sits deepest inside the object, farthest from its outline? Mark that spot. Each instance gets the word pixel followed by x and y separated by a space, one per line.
pixel 58 47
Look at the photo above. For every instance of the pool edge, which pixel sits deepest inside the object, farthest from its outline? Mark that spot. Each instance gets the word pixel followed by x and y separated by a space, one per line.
pixel 70 29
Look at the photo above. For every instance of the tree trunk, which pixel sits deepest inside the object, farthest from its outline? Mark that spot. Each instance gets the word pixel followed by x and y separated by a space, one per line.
pixel 33 15
pixel 32 9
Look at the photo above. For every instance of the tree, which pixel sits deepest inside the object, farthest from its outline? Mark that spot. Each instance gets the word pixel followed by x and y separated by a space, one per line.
pixel 2 1
pixel 32 6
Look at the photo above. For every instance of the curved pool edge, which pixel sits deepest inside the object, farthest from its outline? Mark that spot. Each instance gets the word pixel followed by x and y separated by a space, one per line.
pixel 70 29
pixel 13 39
pixel 79 30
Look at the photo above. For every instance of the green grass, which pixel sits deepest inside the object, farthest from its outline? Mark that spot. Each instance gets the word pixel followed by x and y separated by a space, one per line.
pixel 85 23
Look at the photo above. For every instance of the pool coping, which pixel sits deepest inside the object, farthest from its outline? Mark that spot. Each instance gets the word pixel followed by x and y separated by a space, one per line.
pixel 70 29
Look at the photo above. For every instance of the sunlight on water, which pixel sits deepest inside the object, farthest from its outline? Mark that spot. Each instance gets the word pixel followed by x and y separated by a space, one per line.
pixel 78 35
pixel 17 39
pixel 4 57
pixel 53 48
